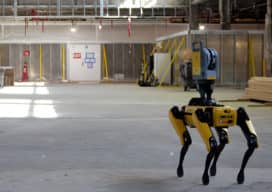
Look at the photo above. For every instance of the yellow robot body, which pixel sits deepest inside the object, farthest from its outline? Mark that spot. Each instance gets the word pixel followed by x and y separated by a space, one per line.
pixel 179 126
pixel 224 116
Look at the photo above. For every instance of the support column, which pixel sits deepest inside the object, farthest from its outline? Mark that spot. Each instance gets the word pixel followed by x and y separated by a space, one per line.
pixel 2 31
pixel 193 21
pixel 15 8
pixel 225 14
pixel 58 7
pixel 101 8
pixel 193 17
pixel 267 38
pixel 84 7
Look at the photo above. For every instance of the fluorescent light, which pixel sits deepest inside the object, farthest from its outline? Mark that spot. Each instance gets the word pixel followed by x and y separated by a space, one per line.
pixel 201 27
pixel 73 29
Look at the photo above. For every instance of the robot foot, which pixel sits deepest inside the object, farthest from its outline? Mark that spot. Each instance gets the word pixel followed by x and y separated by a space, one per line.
pixel 205 179
pixel 180 172
pixel 240 177
pixel 213 170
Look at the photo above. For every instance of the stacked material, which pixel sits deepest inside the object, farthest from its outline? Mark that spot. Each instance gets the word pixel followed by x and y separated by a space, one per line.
pixel 259 88
pixel 9 77
pixel 6 76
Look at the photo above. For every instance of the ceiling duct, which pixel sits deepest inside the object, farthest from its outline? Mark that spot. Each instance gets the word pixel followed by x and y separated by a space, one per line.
pixel 196 2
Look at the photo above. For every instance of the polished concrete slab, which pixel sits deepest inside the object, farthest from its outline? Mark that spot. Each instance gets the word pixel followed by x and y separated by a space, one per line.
pixel 104 137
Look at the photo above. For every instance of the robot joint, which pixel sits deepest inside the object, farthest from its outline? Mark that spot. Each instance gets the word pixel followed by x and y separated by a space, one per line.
pixel 252 141
pixel 213 143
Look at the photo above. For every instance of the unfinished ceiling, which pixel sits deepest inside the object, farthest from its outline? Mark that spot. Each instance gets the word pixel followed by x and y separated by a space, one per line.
pixel 174 10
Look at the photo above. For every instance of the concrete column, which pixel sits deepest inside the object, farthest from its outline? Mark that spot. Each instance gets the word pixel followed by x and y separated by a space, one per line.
pixel 268 37
pixel 225 14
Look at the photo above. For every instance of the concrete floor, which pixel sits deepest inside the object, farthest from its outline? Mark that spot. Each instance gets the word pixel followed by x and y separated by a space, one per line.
pixel 80 137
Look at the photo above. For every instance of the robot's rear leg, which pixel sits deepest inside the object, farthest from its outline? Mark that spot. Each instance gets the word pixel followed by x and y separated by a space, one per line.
pixel 223 139
pixel 252 141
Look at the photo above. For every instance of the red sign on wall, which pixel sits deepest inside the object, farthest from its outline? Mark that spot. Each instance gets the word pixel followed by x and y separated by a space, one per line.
pixel 77 55
pixel 26 53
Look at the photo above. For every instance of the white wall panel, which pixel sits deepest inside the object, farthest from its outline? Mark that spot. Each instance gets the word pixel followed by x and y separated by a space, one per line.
pixel 84 62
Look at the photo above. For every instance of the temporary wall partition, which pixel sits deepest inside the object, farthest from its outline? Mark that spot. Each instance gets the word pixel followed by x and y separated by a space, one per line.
pixel 46 62
pixel 125 60
pixel 43 61
pixel 240 52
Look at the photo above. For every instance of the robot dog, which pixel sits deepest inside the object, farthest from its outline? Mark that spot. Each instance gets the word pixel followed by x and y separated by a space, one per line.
pixel 203 113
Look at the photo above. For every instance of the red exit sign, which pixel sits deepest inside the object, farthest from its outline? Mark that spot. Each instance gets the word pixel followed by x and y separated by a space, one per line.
pixel 26 53
pixel 77 55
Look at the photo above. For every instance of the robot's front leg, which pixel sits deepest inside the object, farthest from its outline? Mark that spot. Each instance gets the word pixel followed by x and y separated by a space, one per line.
pixel 177 119
pixel 184 149
pixel 199 121
pixel 223 139
pixel 252 141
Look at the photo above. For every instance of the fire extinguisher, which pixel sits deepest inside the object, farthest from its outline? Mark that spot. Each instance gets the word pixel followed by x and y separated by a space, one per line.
pixel 25 72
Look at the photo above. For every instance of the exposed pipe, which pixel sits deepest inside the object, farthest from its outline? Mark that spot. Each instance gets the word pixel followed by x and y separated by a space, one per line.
pixel 63 62
pixel 194 2
pixel 41 62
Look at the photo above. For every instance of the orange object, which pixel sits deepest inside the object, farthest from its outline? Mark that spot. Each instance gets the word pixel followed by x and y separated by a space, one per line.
pixel 25 72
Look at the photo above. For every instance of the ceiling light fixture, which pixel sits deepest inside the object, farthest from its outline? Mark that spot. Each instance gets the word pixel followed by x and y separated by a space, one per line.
pixel 99 26
pixel 73 28
pixel 201 27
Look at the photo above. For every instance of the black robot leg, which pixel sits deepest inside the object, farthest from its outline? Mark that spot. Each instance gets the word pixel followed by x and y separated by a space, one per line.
pixel 252 141
pixel 184 149
pixel 223 139
pixel 209 158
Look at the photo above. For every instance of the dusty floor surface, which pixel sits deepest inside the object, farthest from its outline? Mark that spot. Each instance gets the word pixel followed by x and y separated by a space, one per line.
pixel 116 138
